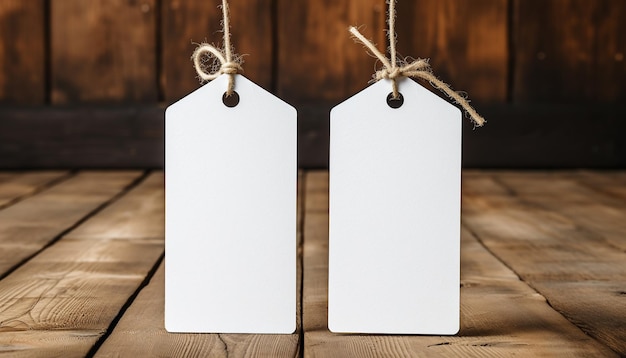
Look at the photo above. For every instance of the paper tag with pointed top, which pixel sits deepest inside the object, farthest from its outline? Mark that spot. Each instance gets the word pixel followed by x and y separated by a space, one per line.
pixel 230 231
pixel 395 194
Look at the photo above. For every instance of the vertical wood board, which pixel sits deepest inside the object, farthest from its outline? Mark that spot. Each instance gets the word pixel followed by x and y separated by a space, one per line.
pixel 317 59
pixel 103 51
pixel 569 50
pixel 466 42
pixel 187 23
pixel 22 52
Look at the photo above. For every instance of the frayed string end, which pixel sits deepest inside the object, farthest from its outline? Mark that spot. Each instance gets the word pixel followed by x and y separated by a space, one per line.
pixel 419 68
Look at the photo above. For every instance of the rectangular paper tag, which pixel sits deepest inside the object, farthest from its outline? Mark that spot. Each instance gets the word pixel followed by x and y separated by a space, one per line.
pixel 231 178
pixel 394 213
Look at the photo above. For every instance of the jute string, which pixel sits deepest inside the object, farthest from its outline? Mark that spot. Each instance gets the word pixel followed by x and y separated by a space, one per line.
pixel 229 64
pixel 416 69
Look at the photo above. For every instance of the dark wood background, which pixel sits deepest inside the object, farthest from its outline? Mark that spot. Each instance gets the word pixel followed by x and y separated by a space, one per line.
pixel 85 83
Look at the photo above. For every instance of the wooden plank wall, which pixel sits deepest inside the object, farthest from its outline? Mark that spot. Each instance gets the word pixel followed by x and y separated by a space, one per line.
pixel 523 62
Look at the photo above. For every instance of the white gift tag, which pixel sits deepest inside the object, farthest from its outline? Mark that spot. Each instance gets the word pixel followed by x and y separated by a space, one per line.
pixel 395 197
pixel 230 230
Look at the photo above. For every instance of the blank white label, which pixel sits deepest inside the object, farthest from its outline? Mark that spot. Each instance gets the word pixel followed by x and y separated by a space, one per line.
pixel 395 176
pixel 231 173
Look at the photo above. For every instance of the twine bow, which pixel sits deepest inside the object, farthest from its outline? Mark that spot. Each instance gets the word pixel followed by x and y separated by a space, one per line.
pixel 419 68
pixel 228 65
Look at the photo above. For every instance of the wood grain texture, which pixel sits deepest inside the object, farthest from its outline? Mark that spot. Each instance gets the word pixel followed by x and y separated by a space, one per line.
pixel 15 186
pixel 55 344
pixel 140 214
pixel 143 322
pixel 31 224
pixel 466 42
pixel 598 214
pixel 103 51
pixel 612 183
pixel 501 316
pixel 75 285
pixel 187 22
pixel 549 247
pixel 62 301
pixel 22 52
pixel 569 50
pixel 317 59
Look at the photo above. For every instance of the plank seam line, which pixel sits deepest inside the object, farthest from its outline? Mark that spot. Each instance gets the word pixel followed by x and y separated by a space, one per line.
pixel 529 284
pixel 125 307
pixel 583 229
pixel 619 199
pixel 88 216
pixel 518 196
pixel 601 238
pixel 39 189
pixel 302 210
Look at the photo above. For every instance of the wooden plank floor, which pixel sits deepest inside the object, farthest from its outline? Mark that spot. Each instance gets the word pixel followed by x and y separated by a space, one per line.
pixel 543 271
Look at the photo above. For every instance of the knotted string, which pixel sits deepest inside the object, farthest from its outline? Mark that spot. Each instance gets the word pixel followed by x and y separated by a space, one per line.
pixel 228 65
pixel 416 69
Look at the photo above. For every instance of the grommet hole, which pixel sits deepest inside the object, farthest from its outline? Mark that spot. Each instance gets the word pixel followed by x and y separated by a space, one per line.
pixel 395 102
pixel 232 100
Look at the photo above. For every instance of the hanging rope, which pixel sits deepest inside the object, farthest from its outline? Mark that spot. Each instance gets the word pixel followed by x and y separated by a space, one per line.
pixel 416 69
pixel 228 64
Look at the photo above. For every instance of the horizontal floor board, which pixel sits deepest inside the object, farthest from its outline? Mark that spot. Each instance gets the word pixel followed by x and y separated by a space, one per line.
pixel 542 271
pixel 73 290
pixel 14 186
pixel 143 321
pixel 543 227
pixel 140 214
pixel 501 315
pixel 31 224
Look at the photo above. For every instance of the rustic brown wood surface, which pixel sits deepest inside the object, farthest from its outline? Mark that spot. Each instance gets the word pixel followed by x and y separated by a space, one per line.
pixel 144 322
pixel 548 75
pixel 501 315
pixel 187 23
pixel 31 224
pixel 568 50
pixel 16 186
pixel 72 51
pixel 554 236
pixel 22 48
pixel 71 292
pixel 542 271
pixel 317 58
pixel 103 51
pixel 466 42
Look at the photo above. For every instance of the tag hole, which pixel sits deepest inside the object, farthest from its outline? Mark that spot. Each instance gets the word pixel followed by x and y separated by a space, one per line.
pixel 232 100
pixel 395 102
